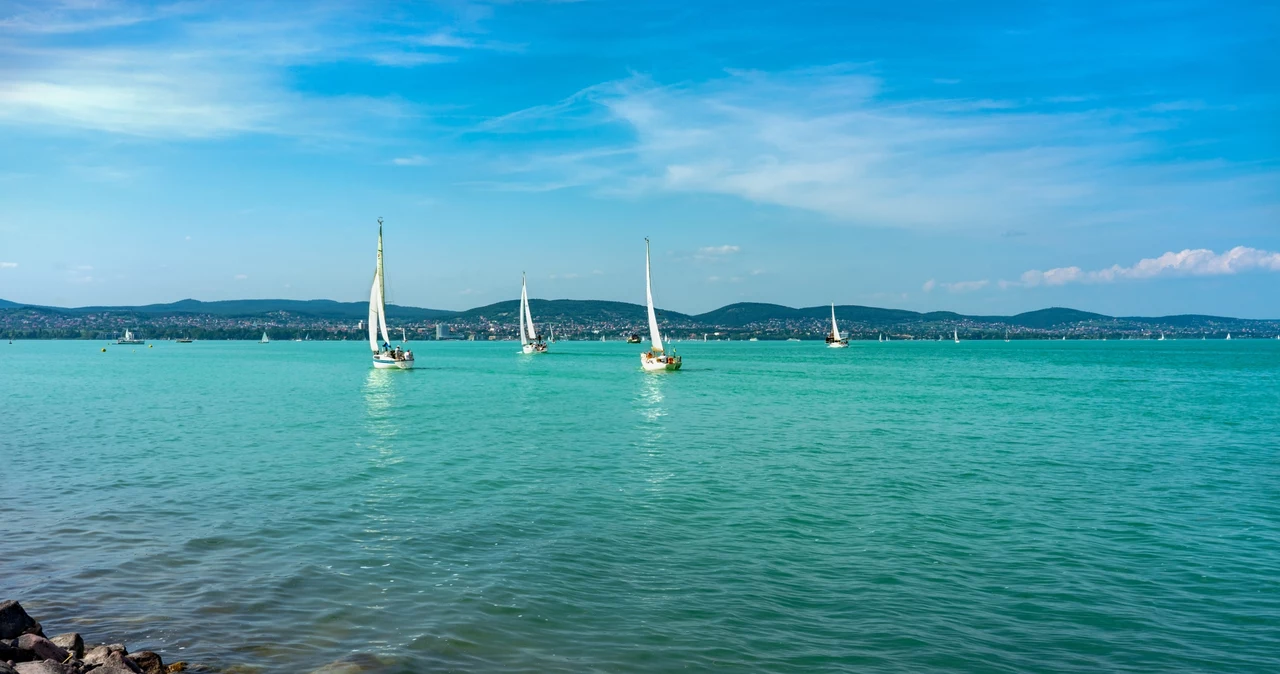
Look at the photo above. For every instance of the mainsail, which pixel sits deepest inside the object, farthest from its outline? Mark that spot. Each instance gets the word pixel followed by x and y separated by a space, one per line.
pixel 835 328
pixel 524 299
pixel 528 317
pixel 377 302
pixel 654 336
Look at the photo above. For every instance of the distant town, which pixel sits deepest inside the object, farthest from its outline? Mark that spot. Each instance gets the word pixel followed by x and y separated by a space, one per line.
pixel 591 320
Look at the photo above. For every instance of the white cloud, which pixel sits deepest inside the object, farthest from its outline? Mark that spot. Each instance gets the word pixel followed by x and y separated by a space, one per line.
pixel 718 250
pixel 8 265
pixel 929 285
pixel 415 160
pixel 966 286
pixel 1197 262
pixel 240 277
pixel 446 39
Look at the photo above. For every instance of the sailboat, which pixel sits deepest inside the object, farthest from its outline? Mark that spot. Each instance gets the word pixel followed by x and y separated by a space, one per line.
pixel 265 339
pixel 1161 336
pixel 655 359
pixel 1228 335
pixel 130 339
pixel 384 357
pixel 880 338
pixel 1006 336
pixel 834 340
pixel 530 340
pixel 955 335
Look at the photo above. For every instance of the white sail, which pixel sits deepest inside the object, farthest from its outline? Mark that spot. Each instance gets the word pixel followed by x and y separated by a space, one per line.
pixel 373 315
pixel 654 336
pixel 380 278
pixel 524 298
pixel 835 328
pixel 528 317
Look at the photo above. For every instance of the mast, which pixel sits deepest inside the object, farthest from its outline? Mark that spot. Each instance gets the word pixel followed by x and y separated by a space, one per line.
pixel 654 336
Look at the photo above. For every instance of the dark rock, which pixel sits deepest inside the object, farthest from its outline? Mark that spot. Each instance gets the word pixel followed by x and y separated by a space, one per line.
pixel 14 621
pixel 9 651
pixel 43 667
pixel 42 647
pixel 148 662
pixel 6 669
pixel 178 666
pixel 71 643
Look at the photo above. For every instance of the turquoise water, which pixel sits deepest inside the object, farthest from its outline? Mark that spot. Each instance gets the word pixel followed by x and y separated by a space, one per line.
pixel 774 507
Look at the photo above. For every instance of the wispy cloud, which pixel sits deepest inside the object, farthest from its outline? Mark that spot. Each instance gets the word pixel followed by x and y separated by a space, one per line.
pixel 8 265
pixel 415 160
pixel 966 286
pixel 828 140
pixel 240 277
pixel 1197 262
pixel 718 250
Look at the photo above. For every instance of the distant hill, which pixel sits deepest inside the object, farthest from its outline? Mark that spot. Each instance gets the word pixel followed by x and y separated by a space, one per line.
pixel 248 308
pixel 597 312
pixel 582 311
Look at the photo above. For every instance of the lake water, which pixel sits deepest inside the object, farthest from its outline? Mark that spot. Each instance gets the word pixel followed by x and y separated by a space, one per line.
pixel 774 507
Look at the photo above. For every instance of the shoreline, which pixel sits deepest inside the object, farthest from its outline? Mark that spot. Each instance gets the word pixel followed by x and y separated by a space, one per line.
pixel 24 649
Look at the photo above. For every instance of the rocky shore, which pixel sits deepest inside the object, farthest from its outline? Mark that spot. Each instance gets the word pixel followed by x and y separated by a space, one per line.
pixel 24 649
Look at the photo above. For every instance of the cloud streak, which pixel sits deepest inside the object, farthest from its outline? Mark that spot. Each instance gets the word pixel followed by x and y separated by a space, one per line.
pixel 1189 262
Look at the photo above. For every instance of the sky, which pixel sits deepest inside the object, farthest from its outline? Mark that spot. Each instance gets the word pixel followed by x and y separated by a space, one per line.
pixel 987 158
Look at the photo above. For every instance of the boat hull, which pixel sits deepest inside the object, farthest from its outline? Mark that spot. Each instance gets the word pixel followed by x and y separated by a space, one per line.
pixel 533 348
pixel 652 363
pixel 842 344
pixel 391 364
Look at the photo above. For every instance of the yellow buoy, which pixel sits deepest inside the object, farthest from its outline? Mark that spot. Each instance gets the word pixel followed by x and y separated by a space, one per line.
pixel 151 346
pixel 104 350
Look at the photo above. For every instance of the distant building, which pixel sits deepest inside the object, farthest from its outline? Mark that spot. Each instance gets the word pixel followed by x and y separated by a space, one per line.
pixel 360 325
pixel 442 331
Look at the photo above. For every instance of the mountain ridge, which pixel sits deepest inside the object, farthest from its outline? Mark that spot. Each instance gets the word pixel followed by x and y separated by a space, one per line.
pixel 738 314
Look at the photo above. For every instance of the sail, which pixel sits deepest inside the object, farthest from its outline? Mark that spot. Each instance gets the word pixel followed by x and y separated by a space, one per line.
pixel 373 315
pixel 528 317
pixel 648 294
pixel 524 298
pixel 835 328
pixel 380 288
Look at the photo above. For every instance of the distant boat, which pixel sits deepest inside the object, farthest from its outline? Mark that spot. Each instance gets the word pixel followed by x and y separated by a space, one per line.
pixel 384 357
pixel 1228 335
pixel 635 339
pixel 530 340
pixel 265 339
pixel 655 359
pixel 834 340
pixel 793 339
pixel 1006 336
pixel 1161 336
pixel 184 340
pixel 753 339
pixel 955 335
pixel 128 338
pixel 880 338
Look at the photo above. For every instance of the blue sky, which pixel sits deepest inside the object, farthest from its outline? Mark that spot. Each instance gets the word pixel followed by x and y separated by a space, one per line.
pixel 984 158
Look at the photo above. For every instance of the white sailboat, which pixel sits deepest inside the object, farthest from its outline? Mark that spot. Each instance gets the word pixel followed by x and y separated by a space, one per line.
pixel 1161 336
pixel 265 339
pixel 834 340
pixel 655 359
pixel 1006 336
pixel 128 338
pixel 955 335
pixel 384 357
pixel 530 340
pixel 1228 335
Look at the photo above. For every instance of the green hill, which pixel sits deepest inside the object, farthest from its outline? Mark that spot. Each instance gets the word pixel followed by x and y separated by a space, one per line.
pixel 581 311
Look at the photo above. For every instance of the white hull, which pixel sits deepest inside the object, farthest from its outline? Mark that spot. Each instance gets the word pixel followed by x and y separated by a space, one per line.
pixel 531 349
pixel 842 344
pixel 391 364
pixel 659 364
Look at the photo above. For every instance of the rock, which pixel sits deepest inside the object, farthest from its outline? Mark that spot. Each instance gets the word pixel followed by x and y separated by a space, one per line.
pixel 99 654
pixel 6 669
pixel 42 647
pixel 43 667
pixel 71 643
pixel 9 651
pixel 178 666
pixel 14 621
pixel 148 662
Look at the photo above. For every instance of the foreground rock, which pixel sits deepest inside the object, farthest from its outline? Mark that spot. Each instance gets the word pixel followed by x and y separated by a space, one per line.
pixel 25 650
